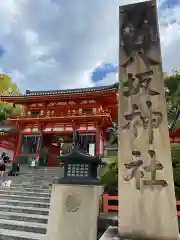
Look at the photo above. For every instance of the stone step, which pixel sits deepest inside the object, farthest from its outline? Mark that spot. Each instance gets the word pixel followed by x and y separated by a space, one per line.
pixel 24 203
pixel 45 169
pixel 41 180
pixel 32 182
pixel 20 209
pixel 24 217
pixel 29 184
pixel 35 182
pixel 45 183
pixel 23 226
pixel 38 175
pixel 26 197
pixel 16 192
pixel 50 179
pixel 28 189
pixel 20 235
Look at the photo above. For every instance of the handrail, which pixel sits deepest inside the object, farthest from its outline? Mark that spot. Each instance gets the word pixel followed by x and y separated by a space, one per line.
pixel 107 207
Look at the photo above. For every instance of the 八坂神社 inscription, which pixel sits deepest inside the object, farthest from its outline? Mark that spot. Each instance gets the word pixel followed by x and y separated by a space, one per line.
pixel 138 37
pixel 144 159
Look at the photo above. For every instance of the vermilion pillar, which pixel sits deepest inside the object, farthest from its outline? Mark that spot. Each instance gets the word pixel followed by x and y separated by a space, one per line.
pixel 98 136
pixel 18 146
pixel 101 147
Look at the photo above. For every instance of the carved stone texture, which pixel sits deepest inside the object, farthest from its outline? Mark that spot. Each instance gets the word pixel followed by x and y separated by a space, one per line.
pixel 140 56
pixel 73 202
pixel 131 86
pixel 138 83
pixel 145 80
pixel 138 34
pixel 157 118
pixel 150 127
pixel 134 120
pixel 152 168
pixel 135 171
pixel 152 121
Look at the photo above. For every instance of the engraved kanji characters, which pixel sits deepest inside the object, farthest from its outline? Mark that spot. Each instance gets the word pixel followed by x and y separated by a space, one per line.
pixel 150 120
pixel 140 83
pixel 134 120
pixel 135 170
pixel 152 168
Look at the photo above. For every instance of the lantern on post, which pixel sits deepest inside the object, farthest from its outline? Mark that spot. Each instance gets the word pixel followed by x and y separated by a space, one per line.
pixel 74 196
pixel 79 167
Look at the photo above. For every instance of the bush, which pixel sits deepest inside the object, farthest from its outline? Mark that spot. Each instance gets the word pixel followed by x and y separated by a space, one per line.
pixel 110 178
pixel 175 154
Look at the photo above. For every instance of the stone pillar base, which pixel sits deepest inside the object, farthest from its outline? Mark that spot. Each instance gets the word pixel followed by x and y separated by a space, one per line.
pixel 73 213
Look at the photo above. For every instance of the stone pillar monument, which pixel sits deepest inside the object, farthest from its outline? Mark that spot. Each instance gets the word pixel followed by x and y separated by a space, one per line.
pixel 74 210
pixel 146 186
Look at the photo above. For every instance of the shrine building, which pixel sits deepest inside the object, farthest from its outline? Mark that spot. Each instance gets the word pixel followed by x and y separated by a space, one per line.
pixel 45 128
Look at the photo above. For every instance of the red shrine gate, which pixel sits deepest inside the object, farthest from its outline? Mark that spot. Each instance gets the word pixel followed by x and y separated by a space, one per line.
pixel 50 117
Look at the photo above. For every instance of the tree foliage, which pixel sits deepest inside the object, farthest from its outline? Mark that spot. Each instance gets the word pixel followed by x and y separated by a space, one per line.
pixel 175 153
pixel 7 86
pixel 172 87
pixel 110 178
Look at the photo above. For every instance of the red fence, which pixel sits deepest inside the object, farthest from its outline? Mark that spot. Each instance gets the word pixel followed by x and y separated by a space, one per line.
pixel 107 207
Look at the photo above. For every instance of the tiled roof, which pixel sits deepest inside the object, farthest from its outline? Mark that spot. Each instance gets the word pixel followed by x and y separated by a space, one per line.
pixel 67 91
pixel 8 129
pixel 74 91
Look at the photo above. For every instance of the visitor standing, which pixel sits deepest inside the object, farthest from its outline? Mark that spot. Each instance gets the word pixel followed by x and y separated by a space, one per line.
pixel 2 169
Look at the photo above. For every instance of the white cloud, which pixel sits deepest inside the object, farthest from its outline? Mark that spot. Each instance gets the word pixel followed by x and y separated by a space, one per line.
pixel 53 44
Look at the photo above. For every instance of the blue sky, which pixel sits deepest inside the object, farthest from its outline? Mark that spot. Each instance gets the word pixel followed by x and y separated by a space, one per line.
pixel 56 44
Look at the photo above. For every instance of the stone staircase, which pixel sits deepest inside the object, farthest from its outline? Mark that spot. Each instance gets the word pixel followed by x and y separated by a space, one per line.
pixel 24 207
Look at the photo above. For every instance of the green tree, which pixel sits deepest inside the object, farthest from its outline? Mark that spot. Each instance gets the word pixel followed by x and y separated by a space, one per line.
pixel 172 87
pixel 110 178
pixel 175 153
pixel 7 86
